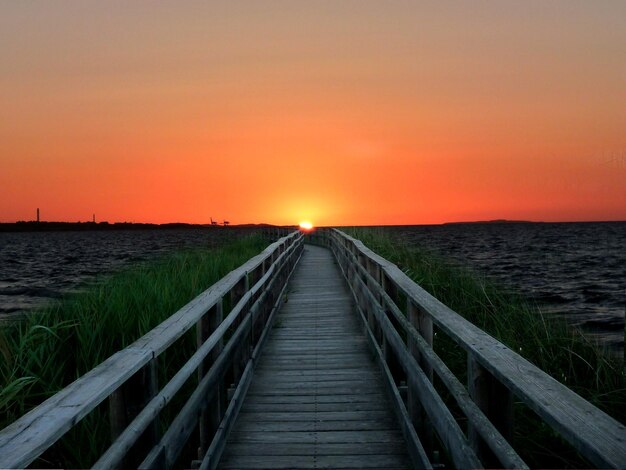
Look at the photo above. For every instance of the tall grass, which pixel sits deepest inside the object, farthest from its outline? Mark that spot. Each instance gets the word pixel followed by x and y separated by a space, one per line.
pixel 49 348
pixel 547 341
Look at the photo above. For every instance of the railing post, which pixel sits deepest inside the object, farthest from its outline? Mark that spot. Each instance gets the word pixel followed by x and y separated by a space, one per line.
pixel 424 326
pixel 253 277
pixel 258 322
pixel 236 294
pixel 211 417
pixel 392 291
pixel 495 400
pixel 275 290
pixel 374 270
pixel 126 403
pixel 350 269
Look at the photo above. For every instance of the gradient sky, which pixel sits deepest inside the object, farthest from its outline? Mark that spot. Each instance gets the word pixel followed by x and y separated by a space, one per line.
pixel 342 112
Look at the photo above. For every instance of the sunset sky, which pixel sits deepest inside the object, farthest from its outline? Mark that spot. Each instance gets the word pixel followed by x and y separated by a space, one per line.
pixel 341 112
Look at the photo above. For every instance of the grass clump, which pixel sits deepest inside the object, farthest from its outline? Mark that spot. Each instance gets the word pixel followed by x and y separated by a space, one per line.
pixel 48 349
pixel 547 341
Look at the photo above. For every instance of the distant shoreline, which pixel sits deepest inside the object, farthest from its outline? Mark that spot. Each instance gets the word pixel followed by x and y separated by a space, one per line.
pixel 33 226
pixel 499 221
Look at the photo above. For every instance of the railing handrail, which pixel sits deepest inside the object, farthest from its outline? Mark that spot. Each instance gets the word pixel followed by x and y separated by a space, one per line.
pixel 25 439
pixel 595 434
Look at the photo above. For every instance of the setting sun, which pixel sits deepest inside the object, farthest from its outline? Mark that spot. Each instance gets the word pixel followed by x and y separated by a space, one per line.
pixel 306 225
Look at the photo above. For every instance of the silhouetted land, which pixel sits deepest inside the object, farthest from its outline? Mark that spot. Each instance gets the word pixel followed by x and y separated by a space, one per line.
pixel 496 221
pixel 33 226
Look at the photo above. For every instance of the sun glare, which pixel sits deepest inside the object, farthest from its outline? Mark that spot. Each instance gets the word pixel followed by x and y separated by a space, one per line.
pixel 306 225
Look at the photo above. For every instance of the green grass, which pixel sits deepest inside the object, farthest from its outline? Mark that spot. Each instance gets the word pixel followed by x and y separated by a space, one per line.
pixel 548 342
pixel 51 347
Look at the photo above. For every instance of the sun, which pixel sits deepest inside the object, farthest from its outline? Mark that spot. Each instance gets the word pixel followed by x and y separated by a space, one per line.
pixel 306 225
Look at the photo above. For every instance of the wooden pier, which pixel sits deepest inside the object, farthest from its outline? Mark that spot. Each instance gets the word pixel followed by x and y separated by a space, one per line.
pixel 314 356
pixel 317 399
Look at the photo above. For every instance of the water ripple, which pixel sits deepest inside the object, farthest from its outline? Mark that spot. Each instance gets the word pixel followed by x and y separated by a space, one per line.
pixel 574 269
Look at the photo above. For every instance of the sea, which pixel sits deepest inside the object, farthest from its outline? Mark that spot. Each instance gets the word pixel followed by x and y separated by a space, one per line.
pixel 577 270
pixel 39 267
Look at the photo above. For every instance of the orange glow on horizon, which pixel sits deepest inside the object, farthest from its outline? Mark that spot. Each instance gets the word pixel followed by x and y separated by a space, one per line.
pixel 345 113
pixel 306 226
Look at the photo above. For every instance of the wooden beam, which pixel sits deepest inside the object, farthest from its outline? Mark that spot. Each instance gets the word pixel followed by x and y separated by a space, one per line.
pixel 496 401
pixel 416 410
pixel 210 417
pixel 600 439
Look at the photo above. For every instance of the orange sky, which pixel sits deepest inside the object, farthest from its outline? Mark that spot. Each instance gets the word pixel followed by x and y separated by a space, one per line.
pixel 351 112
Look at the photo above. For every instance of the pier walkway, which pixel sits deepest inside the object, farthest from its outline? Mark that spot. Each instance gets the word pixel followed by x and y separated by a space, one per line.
pixel 315 353
pixel 317 399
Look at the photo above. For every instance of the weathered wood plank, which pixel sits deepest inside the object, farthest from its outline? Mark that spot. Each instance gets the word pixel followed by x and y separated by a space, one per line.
pixel 211 384
pixel 322 342
pixel 316 384
pixel 217 446
pixel 297 355
pixel 317 391
pixel 439 415
pixel 372 405
pixel 415 448
pixel 212 457
pixel 341 345
pixel 311 366
pixel 321 380
pixel 24 440
pixel 304 416
pixel 476 418
pixel 355 384
pixel 179 431
pixel 328 437
pixel 175 326
pixel 387 424
pixel 371 448
pixel 330 398
pixel 602 439
pixel 329 374
pixel 320 461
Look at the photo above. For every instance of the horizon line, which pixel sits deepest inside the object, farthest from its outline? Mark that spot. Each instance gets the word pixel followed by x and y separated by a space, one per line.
pixel 208 224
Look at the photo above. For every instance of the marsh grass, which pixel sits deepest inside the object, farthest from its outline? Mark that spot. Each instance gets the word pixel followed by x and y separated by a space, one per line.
pixel 49 348
pixel 547 341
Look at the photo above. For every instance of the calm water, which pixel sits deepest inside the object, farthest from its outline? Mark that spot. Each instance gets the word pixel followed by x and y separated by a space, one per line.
pixel 574 269
pixel 577 270
pixel 36 267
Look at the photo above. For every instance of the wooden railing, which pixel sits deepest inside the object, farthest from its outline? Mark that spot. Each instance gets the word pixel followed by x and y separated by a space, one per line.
pixel 399 316
pixel 227 348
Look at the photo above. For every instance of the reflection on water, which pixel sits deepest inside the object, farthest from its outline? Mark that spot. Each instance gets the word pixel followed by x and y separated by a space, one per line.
pixel 574 269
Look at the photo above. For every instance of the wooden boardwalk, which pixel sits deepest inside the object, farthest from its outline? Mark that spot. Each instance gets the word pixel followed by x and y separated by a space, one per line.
pixel 339 375
pixel 317 399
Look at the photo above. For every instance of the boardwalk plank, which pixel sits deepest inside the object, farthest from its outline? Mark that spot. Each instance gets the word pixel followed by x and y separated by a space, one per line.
pixel 318 407
pixel 317 399
pixel 316 379
pixel 308 416
pixel 388 424
pixel 318 385
pixel 377 390
pixel 332 398
pixel 371 448
pixel 323 461
pixel 315 438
